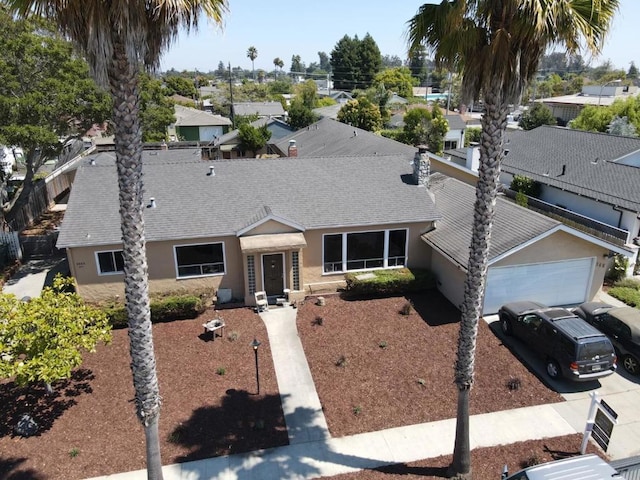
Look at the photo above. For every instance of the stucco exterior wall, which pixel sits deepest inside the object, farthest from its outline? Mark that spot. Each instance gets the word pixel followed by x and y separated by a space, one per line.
pixel 449 278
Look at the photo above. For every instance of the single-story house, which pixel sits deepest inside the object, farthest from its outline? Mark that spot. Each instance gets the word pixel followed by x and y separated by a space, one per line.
pixel 197 125
pixel 228 145
pixel 261 109
pixel 532 257
pixel 278 224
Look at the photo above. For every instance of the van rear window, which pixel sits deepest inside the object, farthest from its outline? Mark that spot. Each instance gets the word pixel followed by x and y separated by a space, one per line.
pixel 590 350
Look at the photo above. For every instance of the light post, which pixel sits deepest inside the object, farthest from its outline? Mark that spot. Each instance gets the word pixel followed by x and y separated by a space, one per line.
pixel 255 344
pixel 604 85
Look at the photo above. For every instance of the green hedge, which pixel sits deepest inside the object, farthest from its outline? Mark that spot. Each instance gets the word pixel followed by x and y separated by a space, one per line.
pixel 388 282
pixel 628 295
pixel 165 309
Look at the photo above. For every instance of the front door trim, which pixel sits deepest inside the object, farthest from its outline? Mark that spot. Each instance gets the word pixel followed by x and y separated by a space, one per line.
pixel 284 280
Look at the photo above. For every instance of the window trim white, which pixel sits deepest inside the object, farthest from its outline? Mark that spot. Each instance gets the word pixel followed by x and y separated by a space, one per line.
pixel 385 260
pixel 100 272
pixel 176 266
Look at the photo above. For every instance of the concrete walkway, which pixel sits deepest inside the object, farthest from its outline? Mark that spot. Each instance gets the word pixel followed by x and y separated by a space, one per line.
pixel 35 274
pixel 300 403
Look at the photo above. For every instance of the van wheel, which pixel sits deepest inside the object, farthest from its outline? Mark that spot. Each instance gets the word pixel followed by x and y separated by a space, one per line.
pixel 631 364
pixel 553 369
pixel 506 326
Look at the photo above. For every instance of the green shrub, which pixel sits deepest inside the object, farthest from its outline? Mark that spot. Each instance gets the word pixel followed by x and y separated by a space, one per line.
pixel 628 295
pixel 388 282
pixel 523 184
pixel 164 309
pixel 619 268
pixel 522 199
pixel 628 282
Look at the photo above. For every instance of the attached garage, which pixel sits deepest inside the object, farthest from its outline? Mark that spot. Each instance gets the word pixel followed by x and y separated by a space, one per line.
pixel 551 283
pixel 532 257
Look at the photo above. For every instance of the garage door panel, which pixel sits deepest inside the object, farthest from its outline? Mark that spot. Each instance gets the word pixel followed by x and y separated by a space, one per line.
pixel 552 283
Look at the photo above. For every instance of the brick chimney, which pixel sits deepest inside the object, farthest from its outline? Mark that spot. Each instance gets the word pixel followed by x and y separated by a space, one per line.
pixel 293 149
pixel 421 167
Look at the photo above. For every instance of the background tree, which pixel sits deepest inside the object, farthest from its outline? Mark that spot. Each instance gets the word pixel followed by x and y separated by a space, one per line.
pixel 496 47
pixel 42 340
pixel 391 61
pixel 325 64
pixel 252 54
pixel 252 138
pixel 361 113
pixel 156 109
pixel 344 63
pixel 296 64
pixel 621 126
pixel 633 71
pixel 369 61
pixel 472 135
pixel 118 42
pixel 46 94
pixel 299 115
pixel 397 80
pixel 539 114
pixel 598 118
pixel 425 127
pixel 307 92
pixel 180 85
pixel 278 63
pixel 418 65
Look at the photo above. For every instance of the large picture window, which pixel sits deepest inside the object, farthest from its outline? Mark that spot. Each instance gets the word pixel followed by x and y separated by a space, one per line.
pixel 364 250
pixel 200 260
pixel 110 262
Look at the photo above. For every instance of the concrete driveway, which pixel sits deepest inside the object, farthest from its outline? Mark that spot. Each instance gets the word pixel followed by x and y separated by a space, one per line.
pixel 35 274
pixel 620 390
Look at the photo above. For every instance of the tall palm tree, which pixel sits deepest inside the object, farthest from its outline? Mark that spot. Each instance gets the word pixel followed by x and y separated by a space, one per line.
pixel 496 46
pixel 252 53
pixel 278 63
pixel 118 38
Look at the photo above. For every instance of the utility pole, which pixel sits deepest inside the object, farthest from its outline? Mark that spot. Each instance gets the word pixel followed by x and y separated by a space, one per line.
pixel 233 121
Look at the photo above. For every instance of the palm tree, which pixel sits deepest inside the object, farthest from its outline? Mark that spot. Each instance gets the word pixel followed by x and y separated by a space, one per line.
pixel 496 46
pixel 252 53
pixel 118 38
pixel 278 63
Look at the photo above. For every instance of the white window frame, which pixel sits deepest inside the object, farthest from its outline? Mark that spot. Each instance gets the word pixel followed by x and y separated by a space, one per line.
pixel 385 261
pixel 175 260
pixel 98 267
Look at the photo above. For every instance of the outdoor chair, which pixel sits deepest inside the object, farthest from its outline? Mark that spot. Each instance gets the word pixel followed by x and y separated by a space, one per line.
pixel 262 303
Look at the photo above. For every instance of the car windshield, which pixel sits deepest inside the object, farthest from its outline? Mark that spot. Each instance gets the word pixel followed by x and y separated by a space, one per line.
pixel 590 350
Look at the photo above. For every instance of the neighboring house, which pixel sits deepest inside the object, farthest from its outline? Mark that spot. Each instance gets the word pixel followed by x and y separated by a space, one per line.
pixel 196 125
pixel 261 109
pixel 228 145
pixel 531 256
pixel 339 96
pixel 567 107
pixel 455 134
pixel 592 174
pixel 250 224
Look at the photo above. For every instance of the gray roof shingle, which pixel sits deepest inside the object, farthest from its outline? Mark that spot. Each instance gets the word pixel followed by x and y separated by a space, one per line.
pixel 311 192
pixel 192 117
pixel 513 225
pixel 329 137
pixel 263 109
pixel 541 153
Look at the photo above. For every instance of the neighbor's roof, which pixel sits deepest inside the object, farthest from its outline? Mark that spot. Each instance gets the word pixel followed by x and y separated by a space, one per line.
pixel 192 117
pixel 589 157
pixel 263 109
pixel 311 192
pixel 512 226
pixel 329 137
pixel 455 122
pixel 274 125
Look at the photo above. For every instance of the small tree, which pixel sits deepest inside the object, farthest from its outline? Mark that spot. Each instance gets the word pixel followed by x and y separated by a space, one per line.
pixel 43 339
pixel 361 113
pixel 536 116
pixel 252 138
pixel 621 126
pixel 525 185
pixel 397 80
pixel 300 116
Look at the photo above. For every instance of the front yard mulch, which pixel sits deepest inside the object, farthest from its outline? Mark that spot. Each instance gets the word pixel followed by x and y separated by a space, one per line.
pixel 375 368
pixel 90 427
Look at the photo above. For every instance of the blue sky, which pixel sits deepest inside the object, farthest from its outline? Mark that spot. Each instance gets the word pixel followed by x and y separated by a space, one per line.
pixel 283 28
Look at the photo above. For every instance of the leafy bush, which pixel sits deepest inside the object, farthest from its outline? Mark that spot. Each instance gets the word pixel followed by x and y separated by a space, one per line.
pixel 523 184
pixel 166 309
pixel 388 282
pixel 619 268
pixel 522 199
pixel 628 282
pixel 628 295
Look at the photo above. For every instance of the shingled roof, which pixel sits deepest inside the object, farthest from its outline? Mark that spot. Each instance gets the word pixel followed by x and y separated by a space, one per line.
pixel 329 137
pixel 588 160
pixel 513 225
pixel 190 203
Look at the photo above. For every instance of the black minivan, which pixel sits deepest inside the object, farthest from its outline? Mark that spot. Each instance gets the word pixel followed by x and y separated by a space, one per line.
pixel 571 348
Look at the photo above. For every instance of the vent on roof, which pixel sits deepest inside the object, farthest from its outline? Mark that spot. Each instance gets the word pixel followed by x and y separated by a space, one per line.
pixel 212 171
pixel 595 161
pixel 152 203
pixel 92 161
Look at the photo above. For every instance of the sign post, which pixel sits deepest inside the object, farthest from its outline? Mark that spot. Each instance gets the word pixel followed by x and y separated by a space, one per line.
pixel 600 422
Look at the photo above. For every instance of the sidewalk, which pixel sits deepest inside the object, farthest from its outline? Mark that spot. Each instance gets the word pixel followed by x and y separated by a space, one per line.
pixel 35 274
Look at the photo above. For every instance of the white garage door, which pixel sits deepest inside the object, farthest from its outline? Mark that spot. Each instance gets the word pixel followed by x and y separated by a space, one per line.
pixel 553 283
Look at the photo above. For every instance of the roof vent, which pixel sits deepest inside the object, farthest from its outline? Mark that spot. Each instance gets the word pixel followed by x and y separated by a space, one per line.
pixel 212 171
pixel 152 203
pixel 595 161
pixel 92 161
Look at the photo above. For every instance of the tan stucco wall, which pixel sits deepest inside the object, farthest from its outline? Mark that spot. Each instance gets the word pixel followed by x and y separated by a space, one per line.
pixel 561 246
pixel 419 255
pixel 162 270
pixel 449 278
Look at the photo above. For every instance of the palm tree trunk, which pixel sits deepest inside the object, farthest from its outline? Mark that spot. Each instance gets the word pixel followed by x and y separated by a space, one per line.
pixel 494 124
pixel 123 80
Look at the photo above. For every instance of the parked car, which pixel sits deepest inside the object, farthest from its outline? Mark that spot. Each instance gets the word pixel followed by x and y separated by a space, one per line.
pixel 621 325
pixel 570 347
pixel 573 468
